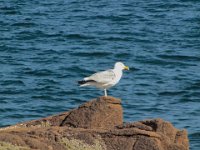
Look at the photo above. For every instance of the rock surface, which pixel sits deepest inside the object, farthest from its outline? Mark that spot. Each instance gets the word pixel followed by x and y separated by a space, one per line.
pixel 105 112
pixel 95 125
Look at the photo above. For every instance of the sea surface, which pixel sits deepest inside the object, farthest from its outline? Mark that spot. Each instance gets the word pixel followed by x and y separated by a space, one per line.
pixel 47 46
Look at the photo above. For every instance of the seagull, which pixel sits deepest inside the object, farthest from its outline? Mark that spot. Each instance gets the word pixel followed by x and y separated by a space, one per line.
pixel 105 79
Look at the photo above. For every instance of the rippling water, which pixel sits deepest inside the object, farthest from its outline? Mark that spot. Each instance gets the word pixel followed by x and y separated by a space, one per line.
pixel 46 46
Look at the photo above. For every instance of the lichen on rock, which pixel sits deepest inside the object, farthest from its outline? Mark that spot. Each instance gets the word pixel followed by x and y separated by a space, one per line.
pixel 9 146
pixel 74 144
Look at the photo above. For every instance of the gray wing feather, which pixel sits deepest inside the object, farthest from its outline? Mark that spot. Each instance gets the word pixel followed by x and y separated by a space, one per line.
pixel 103 77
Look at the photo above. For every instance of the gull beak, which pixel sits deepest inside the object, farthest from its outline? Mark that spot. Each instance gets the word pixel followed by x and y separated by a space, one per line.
pixel 126 68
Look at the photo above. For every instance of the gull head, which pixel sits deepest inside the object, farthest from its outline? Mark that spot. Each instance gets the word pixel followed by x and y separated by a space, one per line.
pixel 120 66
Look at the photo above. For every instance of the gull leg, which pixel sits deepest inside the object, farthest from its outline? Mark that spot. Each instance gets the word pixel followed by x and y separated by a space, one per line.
pixel 105 92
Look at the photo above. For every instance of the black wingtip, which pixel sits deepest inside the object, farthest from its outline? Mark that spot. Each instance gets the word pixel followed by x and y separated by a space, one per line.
pixel 81 82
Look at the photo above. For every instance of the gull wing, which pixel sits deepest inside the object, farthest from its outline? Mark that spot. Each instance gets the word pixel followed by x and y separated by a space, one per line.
pixel 102 77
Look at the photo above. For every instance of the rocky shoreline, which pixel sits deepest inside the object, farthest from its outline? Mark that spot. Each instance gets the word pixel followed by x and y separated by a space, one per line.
pixel 95 125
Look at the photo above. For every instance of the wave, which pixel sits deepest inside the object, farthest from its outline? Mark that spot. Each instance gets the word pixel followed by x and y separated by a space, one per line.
pixel 179 57
pixel 91 54
pixel 78 36
pixel 12 82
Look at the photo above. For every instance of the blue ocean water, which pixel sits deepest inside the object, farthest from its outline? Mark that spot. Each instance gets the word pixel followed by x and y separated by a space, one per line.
pixel 47 46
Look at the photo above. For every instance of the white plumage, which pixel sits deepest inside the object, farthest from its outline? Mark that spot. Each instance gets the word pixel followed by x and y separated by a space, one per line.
pixel 105 79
